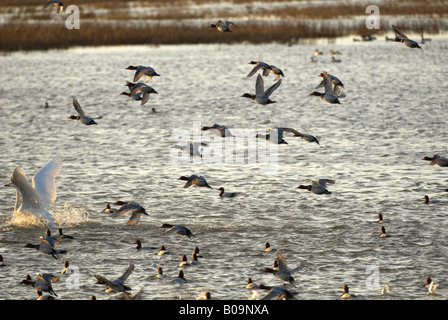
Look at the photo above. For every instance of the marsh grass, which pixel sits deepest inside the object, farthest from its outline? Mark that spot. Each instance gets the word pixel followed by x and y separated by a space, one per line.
pixel 130 22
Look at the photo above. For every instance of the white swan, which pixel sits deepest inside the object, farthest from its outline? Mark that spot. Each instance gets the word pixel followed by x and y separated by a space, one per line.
pixel 36 198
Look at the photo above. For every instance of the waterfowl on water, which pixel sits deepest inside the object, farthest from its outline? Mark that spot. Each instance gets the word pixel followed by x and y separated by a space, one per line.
pixel 36 198
pixel 268 248
pixel 63 236
pixel 432 287
pixel 134 208
pixel 318 53
pixel 427 201
pixel 141 71
pixel 329 94
pixel 438 160
pixel 2 263
pixel 162 251
pixel 140 247
pixel 334 60
pixel 283 273
pixel 219 130
pixel 401 37
pixel 194 260
pixel 204 296
pixel 250 284
pixel 196 252
pixel 184 262
pixel 223 26
pixel 346 293
pixel 191 148
pixel 116 285
pixel 259 65
pixel 261 96
pixel 224 194
pixel 160 273
pixel 196 181
pixel 57 3
pixel 82 117
pixel 318 186
pixel 383 232
pixel 380 218
pixel 180 279
pixel 177 229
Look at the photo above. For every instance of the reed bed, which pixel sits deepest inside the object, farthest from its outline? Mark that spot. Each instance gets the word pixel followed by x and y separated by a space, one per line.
pixel 126 22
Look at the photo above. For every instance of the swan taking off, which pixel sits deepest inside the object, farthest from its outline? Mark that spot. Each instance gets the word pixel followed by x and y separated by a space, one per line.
pixel 36 198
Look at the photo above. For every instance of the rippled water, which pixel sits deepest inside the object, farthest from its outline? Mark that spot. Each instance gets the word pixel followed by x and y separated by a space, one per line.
pixel 394 114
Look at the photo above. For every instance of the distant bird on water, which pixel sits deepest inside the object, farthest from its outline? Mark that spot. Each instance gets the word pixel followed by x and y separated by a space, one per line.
pixel 223 26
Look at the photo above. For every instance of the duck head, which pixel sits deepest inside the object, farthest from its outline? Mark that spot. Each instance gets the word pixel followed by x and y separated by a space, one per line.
pixel 248 95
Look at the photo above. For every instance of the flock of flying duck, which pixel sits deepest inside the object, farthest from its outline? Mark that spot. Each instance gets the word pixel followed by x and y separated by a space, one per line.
pixel 37 197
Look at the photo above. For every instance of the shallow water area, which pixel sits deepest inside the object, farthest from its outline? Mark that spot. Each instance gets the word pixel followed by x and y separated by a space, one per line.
pixel 372 144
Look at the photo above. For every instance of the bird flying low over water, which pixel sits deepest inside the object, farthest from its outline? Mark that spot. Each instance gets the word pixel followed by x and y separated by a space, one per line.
pixel 438 160
pixel 82 117
pixel 142 87
pixel 141 71
pixel 177 229
pixel 57 3
pixel 134 208
pixel 329 94
pixel 218 130
pixel 283 272
pixel 276 135
pixel 116 285
pixel 337 84
pixel 259 65
pixel 37 197
pixel 318 186
pixel 401 37
pixel 223 26
pixel 261 96
pixel 191 148
pixel 194 180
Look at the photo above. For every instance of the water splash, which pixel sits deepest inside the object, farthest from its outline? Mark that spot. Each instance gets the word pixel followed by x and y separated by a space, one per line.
pixel 64 216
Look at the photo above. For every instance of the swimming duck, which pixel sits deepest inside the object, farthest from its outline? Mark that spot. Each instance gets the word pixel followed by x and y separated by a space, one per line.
pixel 385 289
pixel 180 278
pixel 329 95
pixel 334 52
pixel 57 3
pixel 283 273
pixel 427 201
pixel 41 296
pixel 191 148
pixel 261 96
pixel 334 60
pixel 160 274
pixel 196 252
pixel 401 37
pixel 438 160
pixel 337 84
pixel 178 229
pixel 268 248
pixel 139 246
pixel 66 267
pixel 184 262
pixel 346 293
pixel 141 71
pixel 194 260
pixel 380 218
pixel 162 251
pixel 432 287
pixel 250 284
pixel 313 59
pixel 194 180
pixel 224 194
pixel 44 247
pixel 82 117
pixel 204 296
pixel 2 264
pixel 259 65
pixel 116 285
pixel 218 130
pixel 63 236
pixel 277 292
pixel 134 208
pixel 41 194
pixel 273 269
pixel 223 26
pixel 318 53
pixel 383 232
pixel 318 186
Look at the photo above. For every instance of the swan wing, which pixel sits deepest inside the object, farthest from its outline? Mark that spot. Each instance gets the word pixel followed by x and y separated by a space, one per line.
pixel 44 181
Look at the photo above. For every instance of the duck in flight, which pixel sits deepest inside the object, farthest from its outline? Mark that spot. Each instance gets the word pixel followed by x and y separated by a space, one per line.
pixel 261 96
pixel 318 186
pixel 82 117
pixel 401 37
